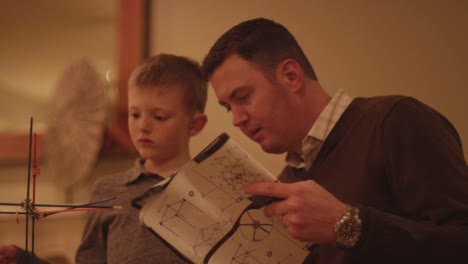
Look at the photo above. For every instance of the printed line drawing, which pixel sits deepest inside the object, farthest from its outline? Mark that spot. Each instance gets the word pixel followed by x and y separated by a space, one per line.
pixel 225 175
pixel 255 226
pixel 201 235
pixel 204 213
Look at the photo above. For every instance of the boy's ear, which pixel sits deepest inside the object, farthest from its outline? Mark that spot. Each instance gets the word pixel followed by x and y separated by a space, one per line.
pixel 198 123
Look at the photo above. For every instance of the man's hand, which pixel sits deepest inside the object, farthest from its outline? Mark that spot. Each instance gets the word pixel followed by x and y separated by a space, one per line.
pixel 306 210
pixel 7 254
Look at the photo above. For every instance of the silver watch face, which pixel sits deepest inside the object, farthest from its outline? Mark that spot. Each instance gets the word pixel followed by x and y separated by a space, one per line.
pixel 348 229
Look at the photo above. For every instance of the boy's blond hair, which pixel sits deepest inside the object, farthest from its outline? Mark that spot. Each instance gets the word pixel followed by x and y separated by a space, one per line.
pixel 165 70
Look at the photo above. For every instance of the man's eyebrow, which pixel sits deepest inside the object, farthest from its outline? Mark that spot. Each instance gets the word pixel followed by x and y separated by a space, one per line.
pixel 232 94
pixel 223 104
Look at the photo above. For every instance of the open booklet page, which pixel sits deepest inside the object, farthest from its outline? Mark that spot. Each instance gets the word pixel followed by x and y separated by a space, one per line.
pixel 204 215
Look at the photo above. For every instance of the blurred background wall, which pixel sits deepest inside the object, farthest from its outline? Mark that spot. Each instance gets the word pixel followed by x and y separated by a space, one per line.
pixel 417 48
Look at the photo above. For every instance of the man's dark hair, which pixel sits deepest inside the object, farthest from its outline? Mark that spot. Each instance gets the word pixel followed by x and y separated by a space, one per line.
pixel 261 41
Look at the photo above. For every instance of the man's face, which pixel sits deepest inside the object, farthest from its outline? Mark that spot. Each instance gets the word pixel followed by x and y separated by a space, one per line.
pixel 260 107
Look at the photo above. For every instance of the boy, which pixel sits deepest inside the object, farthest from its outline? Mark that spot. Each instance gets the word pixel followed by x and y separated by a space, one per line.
pixel 166 102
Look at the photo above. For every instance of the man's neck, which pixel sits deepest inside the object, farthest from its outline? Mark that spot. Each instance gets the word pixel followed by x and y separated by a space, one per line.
pixel 314 101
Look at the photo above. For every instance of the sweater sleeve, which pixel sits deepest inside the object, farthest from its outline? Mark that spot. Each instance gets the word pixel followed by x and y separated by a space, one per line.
pixel 428 183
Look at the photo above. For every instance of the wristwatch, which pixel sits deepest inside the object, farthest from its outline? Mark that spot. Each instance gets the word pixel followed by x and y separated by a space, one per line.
pixel 348 228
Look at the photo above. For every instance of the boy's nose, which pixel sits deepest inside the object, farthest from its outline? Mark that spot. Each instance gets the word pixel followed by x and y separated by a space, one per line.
pixel 145 126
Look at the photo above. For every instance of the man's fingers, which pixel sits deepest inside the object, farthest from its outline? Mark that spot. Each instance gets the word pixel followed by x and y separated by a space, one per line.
pixel 273 189
pixel 276 208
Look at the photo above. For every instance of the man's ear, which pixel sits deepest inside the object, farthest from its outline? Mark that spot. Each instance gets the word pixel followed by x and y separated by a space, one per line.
pixel 198 123
pixel 290 74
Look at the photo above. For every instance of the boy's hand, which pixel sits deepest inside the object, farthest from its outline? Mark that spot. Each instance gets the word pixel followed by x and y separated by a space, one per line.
pixel 7 254
pixel 307 210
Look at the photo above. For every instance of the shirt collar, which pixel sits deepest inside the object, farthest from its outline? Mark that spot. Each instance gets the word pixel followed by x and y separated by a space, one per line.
pixel 138 171
pixel 319 131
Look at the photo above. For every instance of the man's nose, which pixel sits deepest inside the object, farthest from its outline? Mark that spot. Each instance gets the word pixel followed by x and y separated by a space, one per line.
pixel 239 117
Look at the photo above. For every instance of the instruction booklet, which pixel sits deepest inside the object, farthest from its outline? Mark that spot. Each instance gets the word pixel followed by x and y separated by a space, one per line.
pixel 204 215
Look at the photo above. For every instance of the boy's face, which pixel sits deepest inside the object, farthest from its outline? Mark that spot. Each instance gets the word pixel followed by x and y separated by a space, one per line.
pixel 262 109
pixel 159 122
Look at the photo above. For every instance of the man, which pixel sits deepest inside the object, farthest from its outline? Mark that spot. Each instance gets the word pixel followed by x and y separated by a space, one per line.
pixel 368 180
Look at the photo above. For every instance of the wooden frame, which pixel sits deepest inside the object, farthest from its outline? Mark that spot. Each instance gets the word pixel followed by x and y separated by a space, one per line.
pixel 15 146
pixel 131 50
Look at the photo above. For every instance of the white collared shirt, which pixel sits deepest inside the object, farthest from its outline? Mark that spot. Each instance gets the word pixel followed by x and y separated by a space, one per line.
pixel 325 122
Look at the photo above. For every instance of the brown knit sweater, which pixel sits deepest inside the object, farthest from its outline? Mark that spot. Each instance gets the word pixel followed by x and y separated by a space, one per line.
pixel 403 164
